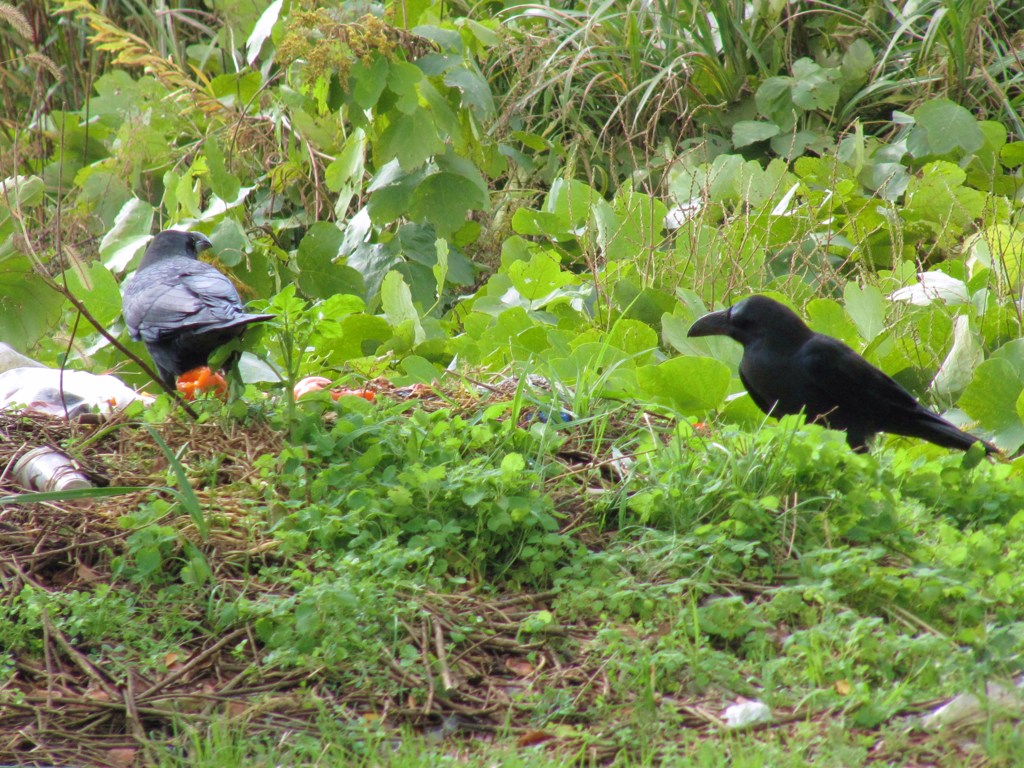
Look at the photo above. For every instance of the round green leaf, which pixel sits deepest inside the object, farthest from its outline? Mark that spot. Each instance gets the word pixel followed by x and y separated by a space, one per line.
pixel 692 385
pixel 948 127
pixel 993 398
pixel 539 276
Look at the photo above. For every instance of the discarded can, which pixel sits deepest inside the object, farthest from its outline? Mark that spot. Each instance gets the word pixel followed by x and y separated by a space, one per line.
pixel 47 469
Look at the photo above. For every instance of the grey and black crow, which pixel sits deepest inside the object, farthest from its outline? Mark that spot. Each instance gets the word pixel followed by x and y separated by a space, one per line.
pixel 182 308
pixel 788 368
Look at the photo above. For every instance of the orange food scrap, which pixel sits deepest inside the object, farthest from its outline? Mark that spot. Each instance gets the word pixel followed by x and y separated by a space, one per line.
pixel 317 383
pixel 199 380
pixel 367 394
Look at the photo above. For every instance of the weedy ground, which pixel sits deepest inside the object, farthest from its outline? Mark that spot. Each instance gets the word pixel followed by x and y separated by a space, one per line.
pixel 478 574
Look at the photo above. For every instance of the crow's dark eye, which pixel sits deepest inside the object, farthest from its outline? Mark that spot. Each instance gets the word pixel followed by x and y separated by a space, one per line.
pixel 738 320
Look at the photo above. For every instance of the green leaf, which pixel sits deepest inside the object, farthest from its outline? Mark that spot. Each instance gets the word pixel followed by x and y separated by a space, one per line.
pixel 747 132
pixel 538 277
pixel 814 86
pixel 692 385
pixel 644 304
pixel 237 89
pixel 938 195
pixel 445 121
pixel 743 410
pixel 373 261
pixel 1001 248
pixel 464 167
pixel 344 174
pixel 790 145
pixel 419 370
pixel 527 222
pixel 148 560
pixel 408 13
pixel 97 289
pixel 1012 154
pixel 723 178
pixel 184 493
pixel 118 94
pixel 404 80
pixel 571 201
pixel 440 269
pixel 101 194
pixel 229 242
pixel 18 193
pixel 992 399
pixel 1013 353
pixel 187 197
pixel 359 336
pixel 367 82
pixel 39 497
pixel 444 199
pixel 343 168
pixel 131 231
pixel 857 62
pixel 827 316
pixel 774 101
pixel 396 301
pixel 674 329
pixel 319 275
pixel 389 202
pixel 512 465
pixel 259 270
pixel 537 622
pixel 223 184
pixel 476 92
pixel 867 308
pixel 631 225
pixel 890 180
pixel 29 308
pixel 412 139
pixel 948 127
pixel 632 337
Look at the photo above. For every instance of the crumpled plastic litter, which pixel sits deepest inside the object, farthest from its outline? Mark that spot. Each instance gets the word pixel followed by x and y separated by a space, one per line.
pixel 968 708
pixel 44 390
pixel 746 714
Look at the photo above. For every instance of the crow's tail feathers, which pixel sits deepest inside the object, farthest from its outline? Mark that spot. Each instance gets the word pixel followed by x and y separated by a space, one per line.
pixel 936 429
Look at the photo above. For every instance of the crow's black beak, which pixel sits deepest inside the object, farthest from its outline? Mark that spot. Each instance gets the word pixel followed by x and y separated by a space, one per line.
pixel 712 324
pixel 201 241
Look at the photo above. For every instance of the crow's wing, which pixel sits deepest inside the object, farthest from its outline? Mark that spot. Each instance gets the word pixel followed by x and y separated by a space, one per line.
pixel 867 401
pixel 838 376
pixel 176 295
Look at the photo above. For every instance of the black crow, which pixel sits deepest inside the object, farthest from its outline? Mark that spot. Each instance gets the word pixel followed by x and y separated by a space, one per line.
pixel 182 308
pixel 788 368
